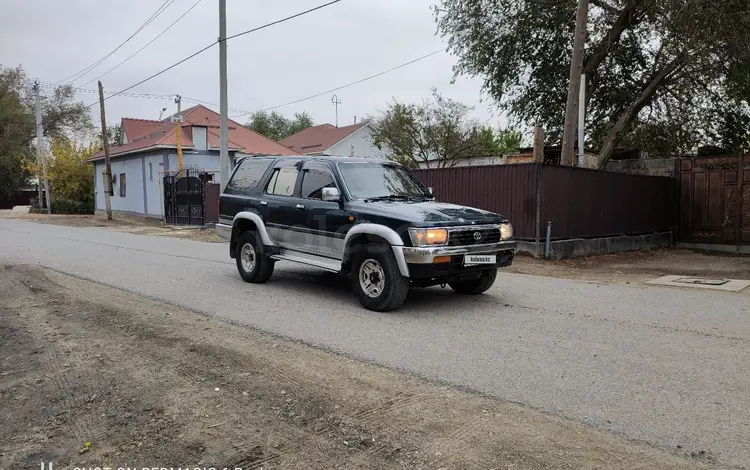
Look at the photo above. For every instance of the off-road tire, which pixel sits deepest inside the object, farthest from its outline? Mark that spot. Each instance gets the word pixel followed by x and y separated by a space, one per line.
pixel 263 264
pixel 396 287
pixel 476 286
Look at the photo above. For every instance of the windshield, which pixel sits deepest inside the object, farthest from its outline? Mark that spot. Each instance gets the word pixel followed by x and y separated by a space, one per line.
pixel 378 180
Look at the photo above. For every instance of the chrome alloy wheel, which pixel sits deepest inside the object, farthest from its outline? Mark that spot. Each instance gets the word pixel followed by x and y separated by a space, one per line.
pixel 372 278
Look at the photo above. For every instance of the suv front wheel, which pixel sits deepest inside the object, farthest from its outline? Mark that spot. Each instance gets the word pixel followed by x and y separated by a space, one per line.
pixel 475 286
pixel 376 279
pixel 252 263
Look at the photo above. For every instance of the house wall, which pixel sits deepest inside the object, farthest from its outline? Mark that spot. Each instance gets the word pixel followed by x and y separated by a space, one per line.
pixel 152 182
pixel 133 201
pixel 362 142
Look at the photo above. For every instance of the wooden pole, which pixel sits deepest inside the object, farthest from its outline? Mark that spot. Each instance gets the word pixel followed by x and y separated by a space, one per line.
pixel 178 131
pixel 108 166
pixel 538 145
pixel 576 68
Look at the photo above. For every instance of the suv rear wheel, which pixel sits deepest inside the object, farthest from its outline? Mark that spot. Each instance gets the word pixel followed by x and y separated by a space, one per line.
pixel 475 286
pixel 376 279
pixel 252 263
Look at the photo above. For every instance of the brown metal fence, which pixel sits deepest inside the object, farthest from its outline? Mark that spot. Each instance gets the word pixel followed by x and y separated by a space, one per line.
pixel 580 203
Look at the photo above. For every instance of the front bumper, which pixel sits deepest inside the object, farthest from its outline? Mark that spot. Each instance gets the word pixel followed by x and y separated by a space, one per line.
pixel 426 255
pixel 421 264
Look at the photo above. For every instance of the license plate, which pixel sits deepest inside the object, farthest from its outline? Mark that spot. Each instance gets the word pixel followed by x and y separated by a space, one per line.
pixel 473 260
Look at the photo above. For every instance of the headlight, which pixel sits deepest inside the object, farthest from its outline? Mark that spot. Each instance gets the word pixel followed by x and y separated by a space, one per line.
pixel 506 231
pixel 428 236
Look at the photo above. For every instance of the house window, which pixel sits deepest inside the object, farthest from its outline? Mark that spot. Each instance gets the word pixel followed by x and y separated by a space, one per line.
pixel 122 184
pixel 150 171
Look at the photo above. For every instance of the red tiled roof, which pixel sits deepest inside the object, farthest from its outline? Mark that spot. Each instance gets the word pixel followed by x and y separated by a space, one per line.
pixel 319 138
pixel 135 128
pixel 159 134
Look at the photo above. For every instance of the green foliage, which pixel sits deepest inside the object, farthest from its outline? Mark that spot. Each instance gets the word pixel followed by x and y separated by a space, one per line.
pixel 275 126
pixel 65 206
pixel 62 118
pixel 437 133
pixel 71 176
pixel 114 133
pixel 17 129
pixel 651 65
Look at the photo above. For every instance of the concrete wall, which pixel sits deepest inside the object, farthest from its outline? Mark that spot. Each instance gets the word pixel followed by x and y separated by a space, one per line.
pixel 583 247
pixel 363 145
pixel 644 166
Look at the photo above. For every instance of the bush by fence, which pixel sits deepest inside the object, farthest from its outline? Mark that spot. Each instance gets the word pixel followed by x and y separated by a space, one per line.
pixel 63 206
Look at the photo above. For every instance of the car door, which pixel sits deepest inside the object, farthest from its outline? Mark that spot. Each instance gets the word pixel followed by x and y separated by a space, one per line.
pixel 326 221
pixel 281 206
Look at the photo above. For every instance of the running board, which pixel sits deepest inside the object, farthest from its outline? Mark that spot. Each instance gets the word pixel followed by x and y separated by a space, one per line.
pixel 322 262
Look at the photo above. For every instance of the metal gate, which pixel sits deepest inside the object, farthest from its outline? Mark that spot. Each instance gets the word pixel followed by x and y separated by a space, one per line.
pixel 184 199
pixel 715 200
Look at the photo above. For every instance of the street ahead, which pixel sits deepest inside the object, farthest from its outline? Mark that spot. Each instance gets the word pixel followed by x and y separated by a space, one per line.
pixel 660 365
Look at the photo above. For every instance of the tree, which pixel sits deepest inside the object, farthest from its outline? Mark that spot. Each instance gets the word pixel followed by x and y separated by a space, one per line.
pixel 70 174
pixel 17 128
pixel 114 133
pixel 275 126
pixel 436 133
pixel 649 64
pixel 62 118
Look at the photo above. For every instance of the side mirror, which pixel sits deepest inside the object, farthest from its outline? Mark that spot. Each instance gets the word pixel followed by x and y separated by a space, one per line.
pixel 331 194
pixel 431 190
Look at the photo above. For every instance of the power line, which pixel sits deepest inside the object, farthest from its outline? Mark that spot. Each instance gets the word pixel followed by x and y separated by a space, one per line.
pixel 347 85
pixel 157 73
pixel 211 45
pixel 319 7
pixel 145 46
pixel 91 67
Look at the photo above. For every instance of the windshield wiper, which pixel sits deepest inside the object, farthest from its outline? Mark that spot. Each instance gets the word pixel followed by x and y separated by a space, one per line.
pixel 390 197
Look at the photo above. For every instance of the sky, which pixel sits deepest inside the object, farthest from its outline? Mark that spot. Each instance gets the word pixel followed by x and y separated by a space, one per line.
pixel 336 45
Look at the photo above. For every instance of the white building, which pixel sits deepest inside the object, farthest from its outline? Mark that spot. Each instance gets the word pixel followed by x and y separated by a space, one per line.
pixel 326 139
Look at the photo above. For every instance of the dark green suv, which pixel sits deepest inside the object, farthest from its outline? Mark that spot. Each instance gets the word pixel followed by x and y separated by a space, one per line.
pixel 371 218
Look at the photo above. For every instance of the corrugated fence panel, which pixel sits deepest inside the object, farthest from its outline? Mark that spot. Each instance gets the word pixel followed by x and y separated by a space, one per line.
pixel 584 203
pixel 506 189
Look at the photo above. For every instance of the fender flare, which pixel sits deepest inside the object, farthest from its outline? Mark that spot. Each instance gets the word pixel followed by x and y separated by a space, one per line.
pixel 258 221
pixel 387 234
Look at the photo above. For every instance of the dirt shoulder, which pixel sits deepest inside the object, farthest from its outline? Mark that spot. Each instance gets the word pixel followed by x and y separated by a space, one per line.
pixel 121 223
pixel 150 384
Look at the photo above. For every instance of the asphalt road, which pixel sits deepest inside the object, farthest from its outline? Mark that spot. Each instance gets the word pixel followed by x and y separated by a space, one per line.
pixel 667 366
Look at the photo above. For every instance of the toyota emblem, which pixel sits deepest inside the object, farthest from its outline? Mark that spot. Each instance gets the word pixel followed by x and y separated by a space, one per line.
pixel 477 236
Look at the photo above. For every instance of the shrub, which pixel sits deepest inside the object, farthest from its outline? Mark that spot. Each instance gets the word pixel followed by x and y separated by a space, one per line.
pixel 65 206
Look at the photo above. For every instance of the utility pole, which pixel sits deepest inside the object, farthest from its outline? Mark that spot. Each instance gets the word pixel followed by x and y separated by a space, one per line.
pixel 581 120
pixel 40 146
pixel 178 131
pixel 336 102
pixel 224 101
pixel 108 167
pixel 576 68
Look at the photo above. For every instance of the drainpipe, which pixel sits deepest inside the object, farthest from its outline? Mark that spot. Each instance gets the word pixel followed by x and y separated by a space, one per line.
pixel 546 244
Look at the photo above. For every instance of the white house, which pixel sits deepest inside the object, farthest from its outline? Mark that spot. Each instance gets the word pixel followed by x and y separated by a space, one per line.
pixel 147 151
pixel 326 139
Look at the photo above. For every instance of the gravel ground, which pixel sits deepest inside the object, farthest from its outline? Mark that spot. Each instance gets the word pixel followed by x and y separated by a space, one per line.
pixel 661 365
pixel 96 377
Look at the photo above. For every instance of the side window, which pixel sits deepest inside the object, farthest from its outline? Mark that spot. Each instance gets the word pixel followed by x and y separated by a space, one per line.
pixel 123 190
pixel 314 179
pixel 248 175
pixel 282 182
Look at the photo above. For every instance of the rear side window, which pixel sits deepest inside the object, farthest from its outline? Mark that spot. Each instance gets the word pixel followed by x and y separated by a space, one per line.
pixel 248 175
pixel 283 181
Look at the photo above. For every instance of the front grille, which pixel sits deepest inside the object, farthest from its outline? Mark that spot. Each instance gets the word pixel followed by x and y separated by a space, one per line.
pixel 469 237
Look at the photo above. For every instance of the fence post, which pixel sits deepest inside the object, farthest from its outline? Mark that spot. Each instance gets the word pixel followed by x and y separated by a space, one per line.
pixel 538 206
pixel 538 146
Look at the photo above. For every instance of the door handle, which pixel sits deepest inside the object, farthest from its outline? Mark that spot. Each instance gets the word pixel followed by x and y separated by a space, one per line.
pixel 263 203
pixel 300 206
